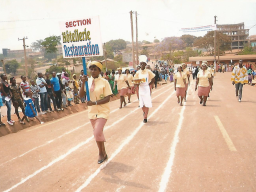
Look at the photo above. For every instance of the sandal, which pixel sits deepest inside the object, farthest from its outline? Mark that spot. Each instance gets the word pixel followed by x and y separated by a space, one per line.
pixel 102 160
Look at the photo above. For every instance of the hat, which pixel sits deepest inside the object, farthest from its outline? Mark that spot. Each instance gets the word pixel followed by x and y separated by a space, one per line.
pixel 58 74
pixel 204 64
pixel 97 64
pixel 120 68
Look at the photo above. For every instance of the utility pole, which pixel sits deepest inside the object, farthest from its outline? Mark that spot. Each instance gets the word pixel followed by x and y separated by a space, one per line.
pixel 133 59
pixel 25 56
pixel 215 41
pixel 105 56
pixel 137 48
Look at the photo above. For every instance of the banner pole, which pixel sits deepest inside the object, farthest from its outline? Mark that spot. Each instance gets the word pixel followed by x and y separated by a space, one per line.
pixel 86 83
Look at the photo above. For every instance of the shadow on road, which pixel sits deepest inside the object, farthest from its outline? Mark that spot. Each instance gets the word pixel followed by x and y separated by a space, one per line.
pixel 114 168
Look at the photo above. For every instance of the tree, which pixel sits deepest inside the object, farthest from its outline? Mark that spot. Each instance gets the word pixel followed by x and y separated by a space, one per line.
pixel 248 50
pixel 50 46
pixel 11 66
pixel 116 45
pixel 188 40
pixel 145 42
pixel 156 41
pixel 171 44
pixel 37 46
pixel 223 42
pixel 189 53
pixel 118 58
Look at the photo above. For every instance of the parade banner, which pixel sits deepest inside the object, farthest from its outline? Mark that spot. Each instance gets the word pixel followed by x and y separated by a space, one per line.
pixel 81 38
pixel 197 29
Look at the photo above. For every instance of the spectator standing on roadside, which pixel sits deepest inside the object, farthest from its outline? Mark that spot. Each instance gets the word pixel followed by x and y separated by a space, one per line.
pixel 24 85
pixel 35 94
pixel 17 99
pixel 50 93
pixel 63 92
pixel 56 89
pixel 1 104
pixel 6 97
pixel 80 84
pixel 76 89
pixel 40 81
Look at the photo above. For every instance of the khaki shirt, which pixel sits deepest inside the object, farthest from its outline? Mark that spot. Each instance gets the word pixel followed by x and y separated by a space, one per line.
pixel 180 76
pixel 129 79
pixel 102 89
pixel 186 73
pixel 203 77
pixel 121 81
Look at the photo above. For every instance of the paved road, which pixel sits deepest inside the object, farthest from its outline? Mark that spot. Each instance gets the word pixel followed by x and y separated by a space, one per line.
pixel 190 148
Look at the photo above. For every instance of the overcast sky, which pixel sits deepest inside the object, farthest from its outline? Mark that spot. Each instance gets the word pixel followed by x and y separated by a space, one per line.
pixel 156 18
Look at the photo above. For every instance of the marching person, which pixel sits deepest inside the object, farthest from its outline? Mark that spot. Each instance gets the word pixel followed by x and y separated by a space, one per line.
pixel 129 79
pixel 204 83
pixel 98 107
pixel 144 88
pixel 187 74
pixel 239 78
pixel 122 84
pixel 180 85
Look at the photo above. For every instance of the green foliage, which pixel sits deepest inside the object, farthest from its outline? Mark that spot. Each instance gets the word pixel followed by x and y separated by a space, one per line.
pixel 248 50
pixel 223 42
pixel 156 41
pixel 50 43
pixel 188 39
pixel 31 67
pixel 50 56
pixel 11 66
pixel 37 46
pixel 118 58
pixel 54 69
pixel 116 45
pixel 145 42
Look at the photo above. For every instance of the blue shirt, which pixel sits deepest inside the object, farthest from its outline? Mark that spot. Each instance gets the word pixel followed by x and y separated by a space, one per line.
pixel 56 84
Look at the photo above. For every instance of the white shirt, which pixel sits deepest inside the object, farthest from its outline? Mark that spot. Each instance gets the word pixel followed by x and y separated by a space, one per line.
pixel 40 81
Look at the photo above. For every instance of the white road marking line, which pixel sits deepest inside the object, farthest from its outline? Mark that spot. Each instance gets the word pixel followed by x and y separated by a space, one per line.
pixel 46 143
pixel 129 138
pixel 225 135
pixel 168 169
pixel 75 148
pixel 66 133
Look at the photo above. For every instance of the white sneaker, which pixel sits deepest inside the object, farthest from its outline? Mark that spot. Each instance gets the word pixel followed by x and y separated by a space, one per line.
pixel 42 113
pixel 9 122
pixel 12 121
pixel 42 122
pixel 239 100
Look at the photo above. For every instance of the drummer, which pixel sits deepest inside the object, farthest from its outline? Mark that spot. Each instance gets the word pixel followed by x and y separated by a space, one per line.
pixel 144 88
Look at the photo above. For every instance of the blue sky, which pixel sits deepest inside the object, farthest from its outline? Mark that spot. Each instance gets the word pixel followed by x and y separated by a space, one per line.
pixel 156 18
